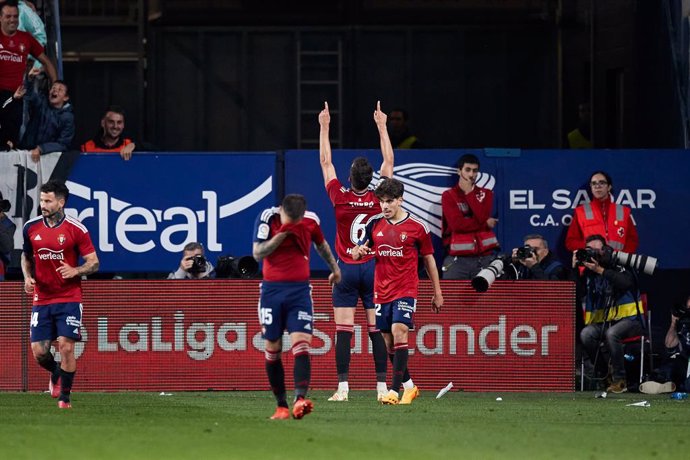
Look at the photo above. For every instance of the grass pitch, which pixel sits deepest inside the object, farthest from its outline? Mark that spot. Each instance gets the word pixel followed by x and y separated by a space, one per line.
pixel 235 425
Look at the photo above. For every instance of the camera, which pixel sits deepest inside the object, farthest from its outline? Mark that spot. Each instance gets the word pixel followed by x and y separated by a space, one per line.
pixel 681 312
pixel 236 267
pixel 486 277
pixel 198 264
pixel 586 255
pixel 525 252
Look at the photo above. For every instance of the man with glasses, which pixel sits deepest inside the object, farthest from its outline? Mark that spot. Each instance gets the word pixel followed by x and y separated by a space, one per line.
pixel 601 216
pixel 534 261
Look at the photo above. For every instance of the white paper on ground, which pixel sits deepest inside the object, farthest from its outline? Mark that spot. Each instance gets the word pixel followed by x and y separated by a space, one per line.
pixel 444 390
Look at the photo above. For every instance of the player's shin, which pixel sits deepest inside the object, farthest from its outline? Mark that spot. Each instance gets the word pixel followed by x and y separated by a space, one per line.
pixel 66 381
pixel 399 365
pixel 276 377
pixel 302 368
pixel 342 351
pixel 378 347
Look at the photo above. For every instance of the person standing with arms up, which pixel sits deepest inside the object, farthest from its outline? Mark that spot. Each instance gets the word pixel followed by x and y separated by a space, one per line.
pixel 354 207
pixel 53 243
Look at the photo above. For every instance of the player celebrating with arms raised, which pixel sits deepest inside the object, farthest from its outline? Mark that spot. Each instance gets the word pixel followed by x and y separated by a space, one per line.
pixel 282 239
pixel 53 243
pixel 396 239
pixel 353 209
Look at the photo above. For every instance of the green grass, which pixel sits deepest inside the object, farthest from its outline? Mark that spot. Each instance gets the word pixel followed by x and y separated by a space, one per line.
pixel 235 425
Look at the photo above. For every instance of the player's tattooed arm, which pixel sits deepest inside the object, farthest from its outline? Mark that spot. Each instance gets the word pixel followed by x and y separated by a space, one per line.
pixel 265 248
pixel 89 266
pixel 324 251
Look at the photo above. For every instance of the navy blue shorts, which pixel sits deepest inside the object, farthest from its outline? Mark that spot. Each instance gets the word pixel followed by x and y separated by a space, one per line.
pixel 398 311
pixel 48 322
pixel 285 306
pixel 357 283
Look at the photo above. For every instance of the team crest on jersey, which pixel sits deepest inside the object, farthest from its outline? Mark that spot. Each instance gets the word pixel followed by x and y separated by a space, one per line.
pixel 403 236
pixel 621 232
pixel 61 239
pixel 22 48
pixel 481 194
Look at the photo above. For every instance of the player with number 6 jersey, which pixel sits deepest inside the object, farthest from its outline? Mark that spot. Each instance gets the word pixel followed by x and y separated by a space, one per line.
pixel 354 207
pixel 53 243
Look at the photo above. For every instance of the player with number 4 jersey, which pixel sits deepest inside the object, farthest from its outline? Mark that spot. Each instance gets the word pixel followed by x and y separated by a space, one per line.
pixel 53 243
pixel 354 207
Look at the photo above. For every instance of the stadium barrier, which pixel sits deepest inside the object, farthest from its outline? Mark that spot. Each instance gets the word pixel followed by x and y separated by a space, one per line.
pixel 204 335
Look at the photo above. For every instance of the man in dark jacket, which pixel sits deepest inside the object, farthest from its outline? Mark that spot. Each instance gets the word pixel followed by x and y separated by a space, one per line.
pixel 51 121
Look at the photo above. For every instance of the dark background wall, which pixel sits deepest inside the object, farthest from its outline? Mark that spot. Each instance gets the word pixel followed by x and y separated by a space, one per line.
pixel 227 75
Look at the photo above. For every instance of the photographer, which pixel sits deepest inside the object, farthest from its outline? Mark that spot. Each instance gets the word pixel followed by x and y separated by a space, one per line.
pixel 534 261
pixel 193 265
pixel 674 370
pixel 611 307
pixel 7 229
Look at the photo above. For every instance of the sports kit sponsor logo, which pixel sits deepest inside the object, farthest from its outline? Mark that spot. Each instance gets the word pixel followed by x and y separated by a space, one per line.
pixel 390 251
pixel 139 229
pixel 49 254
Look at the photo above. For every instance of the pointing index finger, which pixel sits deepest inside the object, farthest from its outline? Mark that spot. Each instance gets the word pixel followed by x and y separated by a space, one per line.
pixel 378 106
pixel 325 105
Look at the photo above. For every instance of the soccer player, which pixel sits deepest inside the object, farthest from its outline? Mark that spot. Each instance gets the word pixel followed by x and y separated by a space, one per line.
pixel 353 209
pixel 53 243
pixel 282 239
pixel 396 239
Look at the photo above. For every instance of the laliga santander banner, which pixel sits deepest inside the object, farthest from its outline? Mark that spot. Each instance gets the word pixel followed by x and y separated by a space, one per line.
pixel 199 335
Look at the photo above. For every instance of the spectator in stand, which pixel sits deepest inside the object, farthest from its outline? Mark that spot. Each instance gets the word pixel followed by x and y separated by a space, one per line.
pixel 400 133
pixel 7 229
pixel 602 216
pixel 6 143
pixel 110 136
pixel 16 47
pixel 51 122
pixel 580 137
pixel 467 225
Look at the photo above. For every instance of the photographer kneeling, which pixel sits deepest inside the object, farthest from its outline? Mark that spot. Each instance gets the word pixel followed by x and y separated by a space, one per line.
pixel 534 261
pixel 612 308
pixel 193 265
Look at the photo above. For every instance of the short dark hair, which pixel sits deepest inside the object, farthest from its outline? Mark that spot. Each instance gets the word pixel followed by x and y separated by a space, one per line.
pixel 12 3
pixel 114 108
pixel 58 188
pixel 294 206
pixel 536 236
pixel 596 237
pixel 603 173
pixel 468 158
pixel 361 173
pixel 390 188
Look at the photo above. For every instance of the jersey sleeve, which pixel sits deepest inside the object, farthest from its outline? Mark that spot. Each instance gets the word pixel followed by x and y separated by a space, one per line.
pixel 368 231
pixel 262 226
pixel 84 243
pixel 335 191
pixel 27 247
pixel 426 246
pixel 35 48
pixel 317 235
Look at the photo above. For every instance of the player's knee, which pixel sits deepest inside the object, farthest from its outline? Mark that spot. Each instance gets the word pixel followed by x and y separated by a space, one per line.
pixel 300 348
pixel 41 355
pixel 66 348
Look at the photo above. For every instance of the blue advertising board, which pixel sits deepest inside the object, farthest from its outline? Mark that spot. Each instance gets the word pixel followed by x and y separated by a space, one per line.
pixel 535 191
pixel 142 212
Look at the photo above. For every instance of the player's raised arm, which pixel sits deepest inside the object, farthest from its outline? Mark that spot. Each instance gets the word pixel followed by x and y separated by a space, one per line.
pixel 325 146
pixel 381 119
pixel 266 248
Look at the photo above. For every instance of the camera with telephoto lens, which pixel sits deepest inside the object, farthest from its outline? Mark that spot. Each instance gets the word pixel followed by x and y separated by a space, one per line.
pixel 681 312
pixel 198 264
pixel 525 252
pixel 486 277
pixel 639 262
pixel 236 267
